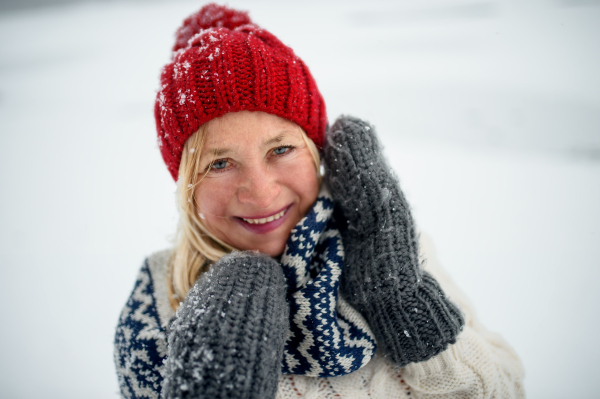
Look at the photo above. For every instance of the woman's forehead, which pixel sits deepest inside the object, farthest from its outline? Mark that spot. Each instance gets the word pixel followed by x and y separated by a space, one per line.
pixel 260 137
pixel 241 129
pixel 248 120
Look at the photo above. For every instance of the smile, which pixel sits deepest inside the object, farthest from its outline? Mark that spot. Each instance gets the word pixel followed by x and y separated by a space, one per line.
pixel 265 223
pixel 265 220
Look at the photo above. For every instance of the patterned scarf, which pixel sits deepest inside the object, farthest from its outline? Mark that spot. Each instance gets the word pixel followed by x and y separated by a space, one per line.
pixel 327 337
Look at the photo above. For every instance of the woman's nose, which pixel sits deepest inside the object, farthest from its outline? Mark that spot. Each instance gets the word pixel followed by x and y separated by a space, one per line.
pixel 260 187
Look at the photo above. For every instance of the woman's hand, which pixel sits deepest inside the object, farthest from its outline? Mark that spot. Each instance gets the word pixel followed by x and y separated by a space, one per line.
pixel 411 318
pixel 227 338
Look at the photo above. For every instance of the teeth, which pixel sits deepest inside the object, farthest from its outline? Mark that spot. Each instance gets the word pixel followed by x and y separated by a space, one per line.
pixel 265 220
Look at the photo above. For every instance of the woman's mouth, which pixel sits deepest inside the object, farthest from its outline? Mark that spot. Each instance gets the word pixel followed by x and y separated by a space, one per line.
pixel 262 225
pixel 265 220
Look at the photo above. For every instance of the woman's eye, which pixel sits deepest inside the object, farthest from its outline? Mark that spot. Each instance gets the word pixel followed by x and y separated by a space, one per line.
pixel 220 164
pixel 281 150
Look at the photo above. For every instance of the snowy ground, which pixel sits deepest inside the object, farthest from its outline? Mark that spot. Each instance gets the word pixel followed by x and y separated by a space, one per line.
pixel 489 111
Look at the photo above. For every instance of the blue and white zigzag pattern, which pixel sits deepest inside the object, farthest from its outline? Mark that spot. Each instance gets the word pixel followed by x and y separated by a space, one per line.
pixel 140 343
pixel 327 337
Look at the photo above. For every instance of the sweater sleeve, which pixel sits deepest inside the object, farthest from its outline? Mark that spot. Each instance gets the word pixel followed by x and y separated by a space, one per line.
pixel 479 365
pixel 140 342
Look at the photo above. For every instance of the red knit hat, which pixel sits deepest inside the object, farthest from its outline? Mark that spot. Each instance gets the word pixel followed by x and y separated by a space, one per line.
pixel 222 63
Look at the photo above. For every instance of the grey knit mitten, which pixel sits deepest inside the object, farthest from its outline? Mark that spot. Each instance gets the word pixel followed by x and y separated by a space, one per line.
pixel 405 307
pixel 227 338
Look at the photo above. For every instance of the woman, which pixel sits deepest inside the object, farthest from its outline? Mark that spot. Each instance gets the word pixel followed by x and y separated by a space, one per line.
pixel 287 283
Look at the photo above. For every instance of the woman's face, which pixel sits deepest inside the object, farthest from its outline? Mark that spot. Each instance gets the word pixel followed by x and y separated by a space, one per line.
pixel 262 181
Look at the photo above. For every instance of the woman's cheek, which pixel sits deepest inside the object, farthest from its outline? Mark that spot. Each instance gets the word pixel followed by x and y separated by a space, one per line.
pixel 301 177
pixel 213 196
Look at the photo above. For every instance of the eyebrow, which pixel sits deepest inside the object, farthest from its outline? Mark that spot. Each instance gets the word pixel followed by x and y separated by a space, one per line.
pixel 216 152
pixel 277 139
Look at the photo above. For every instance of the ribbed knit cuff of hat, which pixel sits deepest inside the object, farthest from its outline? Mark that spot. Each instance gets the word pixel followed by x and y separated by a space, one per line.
pixel 405 307
pixel 227 338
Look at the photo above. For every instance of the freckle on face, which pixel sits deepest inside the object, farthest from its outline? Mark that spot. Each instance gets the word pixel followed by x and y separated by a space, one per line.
pixel 256 183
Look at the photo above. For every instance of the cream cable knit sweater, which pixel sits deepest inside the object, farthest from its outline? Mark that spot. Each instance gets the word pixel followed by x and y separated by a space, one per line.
pixel 480 365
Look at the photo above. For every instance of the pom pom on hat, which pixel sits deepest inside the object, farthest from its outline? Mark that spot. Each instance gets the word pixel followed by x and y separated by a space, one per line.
pixel 210 16
pixel 222 63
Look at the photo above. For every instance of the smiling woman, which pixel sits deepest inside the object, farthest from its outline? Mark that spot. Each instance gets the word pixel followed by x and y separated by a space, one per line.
pixel 284 283
pixel 257 180
pixel 236 170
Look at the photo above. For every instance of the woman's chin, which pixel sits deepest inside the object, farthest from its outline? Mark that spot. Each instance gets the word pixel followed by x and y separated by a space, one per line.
pixel 273 248
pixel 270 244
pixel 271 241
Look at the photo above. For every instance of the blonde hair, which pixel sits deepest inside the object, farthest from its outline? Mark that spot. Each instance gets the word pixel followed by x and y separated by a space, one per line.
pixel 196 248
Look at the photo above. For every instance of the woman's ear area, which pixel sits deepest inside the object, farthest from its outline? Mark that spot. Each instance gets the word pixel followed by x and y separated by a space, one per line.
pixel 189 168
pixel 316 154
pixel 324 141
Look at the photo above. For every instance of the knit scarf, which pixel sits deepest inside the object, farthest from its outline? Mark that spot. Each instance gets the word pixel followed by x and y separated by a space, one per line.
pixel 327 337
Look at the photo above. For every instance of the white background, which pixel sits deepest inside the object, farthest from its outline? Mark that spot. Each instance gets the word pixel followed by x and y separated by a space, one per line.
pixel 489 110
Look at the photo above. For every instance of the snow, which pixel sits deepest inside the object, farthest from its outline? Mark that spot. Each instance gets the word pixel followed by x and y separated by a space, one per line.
pixel 488 110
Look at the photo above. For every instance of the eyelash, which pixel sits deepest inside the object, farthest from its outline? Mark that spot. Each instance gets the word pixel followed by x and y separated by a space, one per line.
pixel 289 147
pixel 210 168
